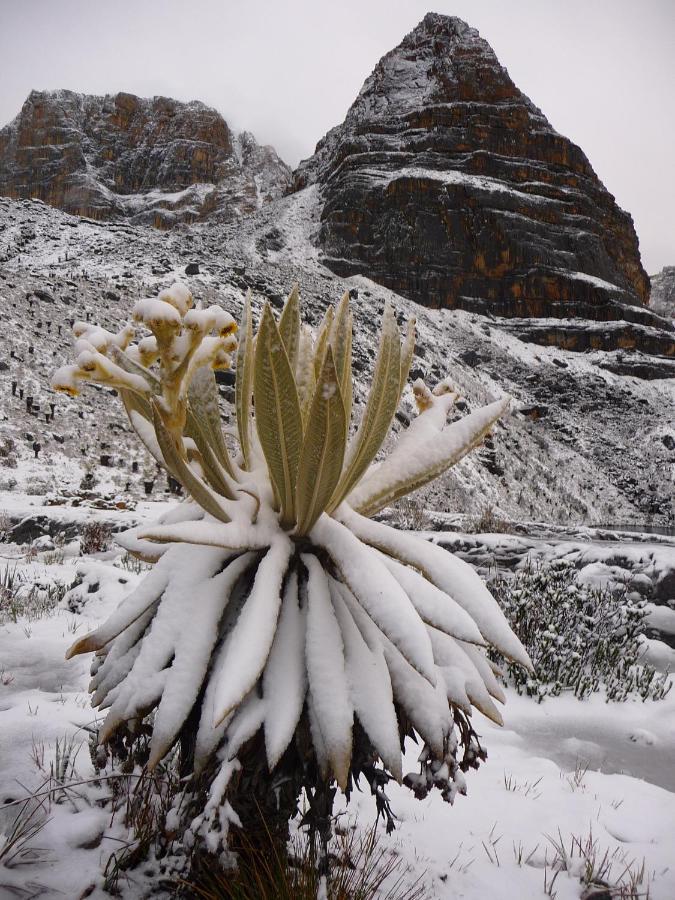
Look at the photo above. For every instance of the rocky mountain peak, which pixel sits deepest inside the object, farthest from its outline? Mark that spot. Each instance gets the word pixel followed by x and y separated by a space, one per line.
pixel 149 160
pixel 442 59
pixel 448 185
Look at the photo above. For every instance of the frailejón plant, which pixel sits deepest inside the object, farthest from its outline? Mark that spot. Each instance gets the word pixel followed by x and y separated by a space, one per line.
pixel 279 618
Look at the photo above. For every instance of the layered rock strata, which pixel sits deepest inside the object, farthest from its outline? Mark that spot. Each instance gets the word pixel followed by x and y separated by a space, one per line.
pixel 446 184
pixel 152 161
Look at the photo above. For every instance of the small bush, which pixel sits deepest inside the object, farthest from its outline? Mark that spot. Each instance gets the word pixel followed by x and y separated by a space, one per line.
pixel 8 453
pixel 410 515
pixel 487 522
pixel 579 638
pixel 95 538
pixel 32 600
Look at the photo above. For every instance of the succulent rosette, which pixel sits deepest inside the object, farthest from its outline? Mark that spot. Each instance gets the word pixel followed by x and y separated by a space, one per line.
pixel 276 603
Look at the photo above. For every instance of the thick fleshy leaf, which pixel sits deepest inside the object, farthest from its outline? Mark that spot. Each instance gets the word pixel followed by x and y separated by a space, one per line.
pixel 198 489
pixel 424 705
pixel 217 476
pixel 232 536
pixel 318 741
pixel 305 376
pixel 459 672
pixel 378 412
pixel 379 593
pixel 193 646
pixel 119 659
pixel 479 658
pixel 449 573
pixel 369 686
pixel 139 411
pixel 285 675
pixel 403 473
pixel 340 339
pixel 407 353
pixel 326 673
pixel 289 326
pixel 171 625
pixel 244 383
pixel 148 592
pixel 248 644
pixel 245 723
pixel 322 340
pixel 434 606
pixel 323 448
pixel 277 413
pixel 203 417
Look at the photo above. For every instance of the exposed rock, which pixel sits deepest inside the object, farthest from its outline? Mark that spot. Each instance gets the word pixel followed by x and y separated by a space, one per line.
pixel 154 161
pixel 662 299
pixel 582 335
pixel 446 184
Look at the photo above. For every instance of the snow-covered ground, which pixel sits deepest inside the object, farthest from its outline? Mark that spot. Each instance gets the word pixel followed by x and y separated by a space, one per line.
pixel 565 781
pixel 584 445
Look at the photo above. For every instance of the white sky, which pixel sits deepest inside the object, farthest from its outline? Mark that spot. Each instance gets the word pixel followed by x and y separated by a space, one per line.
pixel 602 71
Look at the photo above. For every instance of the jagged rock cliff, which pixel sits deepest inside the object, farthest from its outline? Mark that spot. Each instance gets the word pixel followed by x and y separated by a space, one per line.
pixel 663 292
pixel 446 184
pixel 153 161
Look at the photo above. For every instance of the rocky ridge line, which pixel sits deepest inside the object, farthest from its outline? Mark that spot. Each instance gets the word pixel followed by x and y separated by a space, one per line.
pixel 446 184
pixel 149 161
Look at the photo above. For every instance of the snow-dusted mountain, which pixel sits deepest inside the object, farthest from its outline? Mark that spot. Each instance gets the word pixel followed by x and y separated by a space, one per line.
pixel 585 443
pixel 155 161
pixel 446 184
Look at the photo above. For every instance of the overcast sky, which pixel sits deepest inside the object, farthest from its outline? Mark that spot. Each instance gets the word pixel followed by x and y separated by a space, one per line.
pixel 602 71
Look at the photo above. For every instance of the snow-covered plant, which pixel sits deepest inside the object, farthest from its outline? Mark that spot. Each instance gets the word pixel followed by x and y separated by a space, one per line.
pixel 580 638
pixel 280 621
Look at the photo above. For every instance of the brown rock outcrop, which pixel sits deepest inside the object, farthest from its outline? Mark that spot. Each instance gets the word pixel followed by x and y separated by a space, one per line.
pixel 662 299
pixel 154 161
pixel 446 184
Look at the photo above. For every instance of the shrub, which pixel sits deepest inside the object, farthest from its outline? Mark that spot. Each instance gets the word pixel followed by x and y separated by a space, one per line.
pixel 579 638
pixel 95 538
pixel 487 522
pixel 284 641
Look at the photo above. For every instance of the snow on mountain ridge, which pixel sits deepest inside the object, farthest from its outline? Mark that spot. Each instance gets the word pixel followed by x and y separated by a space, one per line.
pixel 151 160
pixel 550 460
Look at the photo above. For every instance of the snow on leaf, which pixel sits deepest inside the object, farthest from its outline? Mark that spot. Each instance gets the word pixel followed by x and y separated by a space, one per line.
pixel 369 686
pixel 378 591
pixel 248 644
pixel 451 575
pixel 434 606
pixel 147 593
pixel 413 467
pixel 425 706
pixel 207 533
pixel 326 672
pixel 193 648
pixel 245 723
pixel 461 675
pixel 172 622
pixel 285 677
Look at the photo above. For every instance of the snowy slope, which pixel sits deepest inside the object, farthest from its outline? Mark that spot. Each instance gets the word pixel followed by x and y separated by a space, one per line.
pixel 595 776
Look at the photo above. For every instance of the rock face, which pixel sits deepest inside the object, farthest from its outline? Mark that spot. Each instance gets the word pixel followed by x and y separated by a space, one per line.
pixel 662 299
pixel 446 184
pixel 152 161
